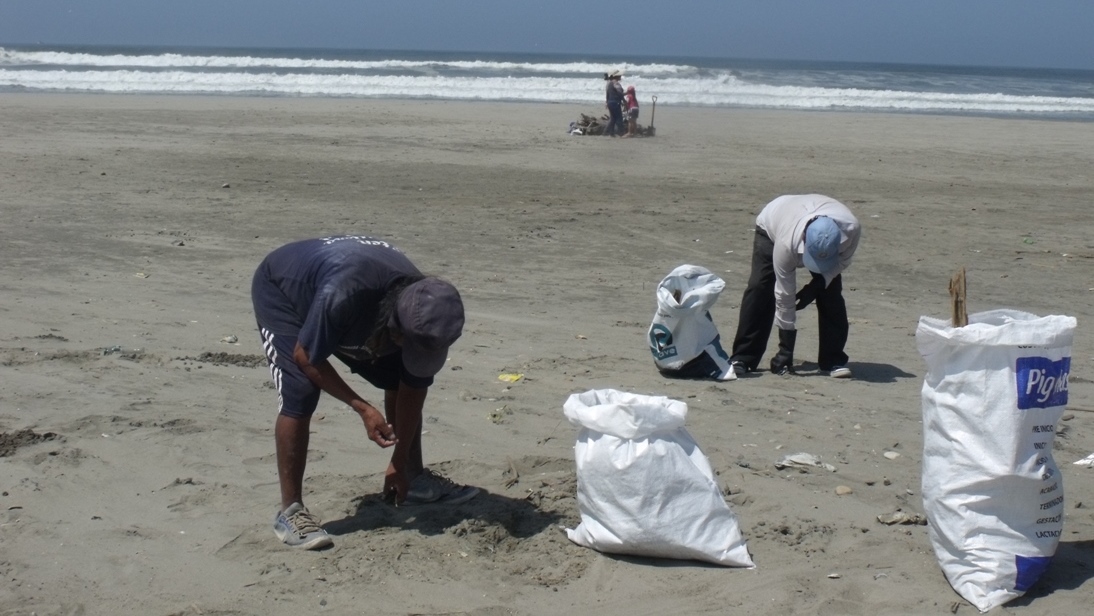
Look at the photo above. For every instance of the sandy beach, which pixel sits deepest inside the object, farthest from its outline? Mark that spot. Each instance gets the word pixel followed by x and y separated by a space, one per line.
pixel 137 467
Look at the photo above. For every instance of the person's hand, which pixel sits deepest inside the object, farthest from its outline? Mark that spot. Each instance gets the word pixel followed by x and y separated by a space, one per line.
pixel 396 484
pixel 378 429
pixel 809 292
pixel 783 362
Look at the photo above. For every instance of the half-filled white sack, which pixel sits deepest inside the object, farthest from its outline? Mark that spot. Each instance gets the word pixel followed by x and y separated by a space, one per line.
pixel 683 338
pixel 993 495
pixel 643 486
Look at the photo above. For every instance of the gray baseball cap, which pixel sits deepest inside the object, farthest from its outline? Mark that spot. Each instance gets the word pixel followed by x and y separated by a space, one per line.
pixel 430 314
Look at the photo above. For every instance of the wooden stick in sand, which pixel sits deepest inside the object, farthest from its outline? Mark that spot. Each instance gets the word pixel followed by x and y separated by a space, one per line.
pixel 958 308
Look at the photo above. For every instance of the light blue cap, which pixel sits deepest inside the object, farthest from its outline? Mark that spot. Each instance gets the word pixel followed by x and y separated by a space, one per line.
pixel 822 238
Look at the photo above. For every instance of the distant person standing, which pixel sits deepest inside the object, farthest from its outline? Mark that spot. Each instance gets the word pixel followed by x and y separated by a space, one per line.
pixel 631 101
pixel 814 232
pixel 361 300
pixel 614 96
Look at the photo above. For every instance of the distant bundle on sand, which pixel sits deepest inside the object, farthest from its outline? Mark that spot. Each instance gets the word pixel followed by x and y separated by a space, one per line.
pixel 590 125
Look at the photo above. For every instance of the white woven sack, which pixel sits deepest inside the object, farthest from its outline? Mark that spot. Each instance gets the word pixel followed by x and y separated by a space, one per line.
pixel 992 493
pixel 682 337
pixel 643 486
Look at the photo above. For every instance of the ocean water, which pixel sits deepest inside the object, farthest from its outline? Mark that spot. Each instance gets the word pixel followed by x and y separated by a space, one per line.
pixel 706 82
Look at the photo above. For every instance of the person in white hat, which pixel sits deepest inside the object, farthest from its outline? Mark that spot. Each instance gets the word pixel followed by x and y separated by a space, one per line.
pixel 614 96
pixel 813 232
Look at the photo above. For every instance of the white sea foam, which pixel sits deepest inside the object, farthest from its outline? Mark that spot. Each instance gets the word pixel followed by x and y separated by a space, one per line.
pixel 720 92
pixel 174 60
pixel 548 81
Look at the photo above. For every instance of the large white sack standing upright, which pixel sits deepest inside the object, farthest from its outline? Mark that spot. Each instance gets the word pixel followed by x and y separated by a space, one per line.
pixel 682 337
pixel 992 493
pixel 643 486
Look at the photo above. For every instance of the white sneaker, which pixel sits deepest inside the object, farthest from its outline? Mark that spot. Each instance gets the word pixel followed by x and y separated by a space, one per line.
pixel 298 528
pixel 840 372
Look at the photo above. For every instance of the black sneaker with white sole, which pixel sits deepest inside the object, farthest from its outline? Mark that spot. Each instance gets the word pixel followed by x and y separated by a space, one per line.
pixel 429 488
pixel 840 372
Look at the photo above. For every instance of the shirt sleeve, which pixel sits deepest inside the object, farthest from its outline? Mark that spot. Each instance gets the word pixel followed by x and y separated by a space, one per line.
pixel 328 317
pixel 786 287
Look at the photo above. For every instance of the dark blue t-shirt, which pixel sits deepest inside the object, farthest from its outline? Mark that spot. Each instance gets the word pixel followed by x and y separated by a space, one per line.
pixel 326 292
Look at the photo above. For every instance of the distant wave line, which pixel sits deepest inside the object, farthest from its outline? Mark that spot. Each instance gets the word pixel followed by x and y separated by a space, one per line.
pixel 689 92
pixel 174 60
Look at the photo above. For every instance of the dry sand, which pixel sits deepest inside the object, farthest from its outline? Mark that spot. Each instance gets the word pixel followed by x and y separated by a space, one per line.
pixel 146 485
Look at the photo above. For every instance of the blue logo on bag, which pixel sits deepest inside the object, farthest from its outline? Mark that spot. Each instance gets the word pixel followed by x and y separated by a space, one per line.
pixel 1029 569
pixel 661 344
pixel 1042 383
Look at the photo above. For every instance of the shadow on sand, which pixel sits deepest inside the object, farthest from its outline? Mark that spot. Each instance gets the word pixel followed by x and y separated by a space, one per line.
pixel 864 371
pixel 519 517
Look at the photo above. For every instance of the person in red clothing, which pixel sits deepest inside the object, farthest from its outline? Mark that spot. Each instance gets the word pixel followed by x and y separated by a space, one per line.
pixel 631 101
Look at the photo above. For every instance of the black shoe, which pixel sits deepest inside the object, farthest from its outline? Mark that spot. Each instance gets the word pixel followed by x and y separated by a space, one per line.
pixel 840 372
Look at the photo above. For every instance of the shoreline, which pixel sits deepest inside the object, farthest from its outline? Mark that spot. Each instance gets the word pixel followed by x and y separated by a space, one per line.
pixel 646 105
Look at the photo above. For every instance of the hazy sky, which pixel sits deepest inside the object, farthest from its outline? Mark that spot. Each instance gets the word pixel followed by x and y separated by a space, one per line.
pixel 1029 33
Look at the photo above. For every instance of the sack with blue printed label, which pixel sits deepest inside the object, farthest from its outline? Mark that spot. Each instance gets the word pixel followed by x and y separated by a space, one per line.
pixel 993 495
pixel 683 338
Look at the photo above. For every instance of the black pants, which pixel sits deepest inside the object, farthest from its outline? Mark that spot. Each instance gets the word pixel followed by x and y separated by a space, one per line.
pixel 615 121
pixel 758 313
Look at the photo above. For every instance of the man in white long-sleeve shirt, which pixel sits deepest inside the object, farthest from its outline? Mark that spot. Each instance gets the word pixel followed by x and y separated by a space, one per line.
pixel 814 232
